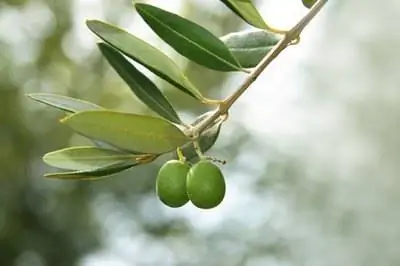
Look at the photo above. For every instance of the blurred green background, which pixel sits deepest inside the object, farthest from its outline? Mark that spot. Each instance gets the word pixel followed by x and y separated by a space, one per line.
pixel 313 148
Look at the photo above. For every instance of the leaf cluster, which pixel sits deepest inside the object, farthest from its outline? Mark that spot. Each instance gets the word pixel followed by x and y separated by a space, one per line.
pixel 124 140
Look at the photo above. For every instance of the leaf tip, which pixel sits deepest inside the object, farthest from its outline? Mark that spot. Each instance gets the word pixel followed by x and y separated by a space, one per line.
pixel 100 45
pixel 91 23
pixel 48 175
pixel 44 158
pixel 47 158
pixel 34 95
pixel 138 5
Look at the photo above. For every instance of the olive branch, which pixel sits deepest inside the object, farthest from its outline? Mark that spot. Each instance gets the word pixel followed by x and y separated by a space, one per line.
pixel 290 37
pixel 124 140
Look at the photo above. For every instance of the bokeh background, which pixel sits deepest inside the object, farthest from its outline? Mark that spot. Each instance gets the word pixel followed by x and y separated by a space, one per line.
pixel 313 148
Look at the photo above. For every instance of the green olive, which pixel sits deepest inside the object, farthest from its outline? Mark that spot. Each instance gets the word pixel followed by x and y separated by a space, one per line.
pixel 171 183
pixel 309 3
pixel 205 185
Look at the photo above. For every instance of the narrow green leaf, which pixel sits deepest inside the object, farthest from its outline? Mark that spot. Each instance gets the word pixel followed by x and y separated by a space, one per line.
pixel 96 174
pixel 189 39
pixel 145 54
pixel 250 46
pixel 206 140
pixel 86 158
pixel 246 10
pixel 69 105
pixel 64 103
pixel 140 85
pixel 127 131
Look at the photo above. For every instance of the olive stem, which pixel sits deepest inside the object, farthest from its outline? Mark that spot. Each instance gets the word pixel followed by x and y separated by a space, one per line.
pixel 181 157
pixel 290 37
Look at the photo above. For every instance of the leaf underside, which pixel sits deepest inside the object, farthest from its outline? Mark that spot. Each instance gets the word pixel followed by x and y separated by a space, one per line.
pixel 90 175
pixel 64 103
pixel 250 46
pixel 86 158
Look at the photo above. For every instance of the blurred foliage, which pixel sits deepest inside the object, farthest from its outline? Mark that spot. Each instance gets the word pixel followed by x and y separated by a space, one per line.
pixel 311 180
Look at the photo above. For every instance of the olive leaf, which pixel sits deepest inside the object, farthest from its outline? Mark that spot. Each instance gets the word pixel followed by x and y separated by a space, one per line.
pixel 145 54
pixel 64 103
pixel 87 158
pixel 189 39
pixel 96 174
pixel 69 105
pixel 250 46
pixel 140 85
pixel 127 131
pixel 246 10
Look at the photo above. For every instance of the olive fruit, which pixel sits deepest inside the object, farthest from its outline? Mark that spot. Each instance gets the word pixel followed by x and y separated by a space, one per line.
pixel 205 185
pixel 171 183
pixel 309 3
